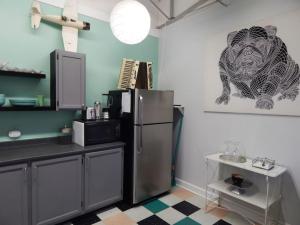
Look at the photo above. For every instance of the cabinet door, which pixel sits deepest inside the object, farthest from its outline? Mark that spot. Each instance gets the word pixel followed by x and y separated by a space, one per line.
pixel 56 190
pixel 71 80
pixel 103 178
pixel 13 195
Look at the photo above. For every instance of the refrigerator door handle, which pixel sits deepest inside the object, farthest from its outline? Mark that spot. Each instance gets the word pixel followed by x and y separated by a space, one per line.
pixel 141 123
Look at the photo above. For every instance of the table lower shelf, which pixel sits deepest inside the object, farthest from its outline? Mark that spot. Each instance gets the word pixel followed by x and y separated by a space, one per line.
pixel 257 199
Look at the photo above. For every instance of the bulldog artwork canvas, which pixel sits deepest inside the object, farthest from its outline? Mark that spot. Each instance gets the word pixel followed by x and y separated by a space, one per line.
pixel 254 72
pixel 258 65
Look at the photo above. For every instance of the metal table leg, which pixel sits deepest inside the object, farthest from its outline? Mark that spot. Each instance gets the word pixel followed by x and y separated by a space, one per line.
pixel 206 184
pixel 267 200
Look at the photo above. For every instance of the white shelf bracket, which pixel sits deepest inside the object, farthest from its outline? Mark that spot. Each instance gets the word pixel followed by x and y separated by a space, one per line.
pixel 160 10
pixel 198 5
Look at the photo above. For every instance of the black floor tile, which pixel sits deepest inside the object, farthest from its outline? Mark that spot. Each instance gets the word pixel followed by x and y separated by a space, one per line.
pixel 123 206
pixel 222 222
pixel 186 208
pixel 66 223
pixel 104 209
pixel 88 219
pixel 153 220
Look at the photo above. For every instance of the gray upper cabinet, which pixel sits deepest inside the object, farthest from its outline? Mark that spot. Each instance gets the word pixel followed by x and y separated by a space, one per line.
pixel 13 195
pixel 56 190
pixel 103 178
pixel 68 73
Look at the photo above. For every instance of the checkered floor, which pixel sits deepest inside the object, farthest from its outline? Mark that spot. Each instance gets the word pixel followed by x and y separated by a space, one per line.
pixel 181 207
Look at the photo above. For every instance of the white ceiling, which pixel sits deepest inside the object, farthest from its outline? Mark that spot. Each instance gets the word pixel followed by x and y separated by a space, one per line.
pixel 101 9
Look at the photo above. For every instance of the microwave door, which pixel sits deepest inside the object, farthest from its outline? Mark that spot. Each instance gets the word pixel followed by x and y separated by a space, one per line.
pixel 152 107
pixel 98 133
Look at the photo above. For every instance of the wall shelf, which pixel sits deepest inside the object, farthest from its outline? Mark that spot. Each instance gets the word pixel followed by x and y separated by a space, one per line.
pixel 26 108
pixel 22 74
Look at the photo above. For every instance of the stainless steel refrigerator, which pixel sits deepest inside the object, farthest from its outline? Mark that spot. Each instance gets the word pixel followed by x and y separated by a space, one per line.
pixel 146 127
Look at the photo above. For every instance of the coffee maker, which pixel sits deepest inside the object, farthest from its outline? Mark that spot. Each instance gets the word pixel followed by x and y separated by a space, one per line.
pixel 114 103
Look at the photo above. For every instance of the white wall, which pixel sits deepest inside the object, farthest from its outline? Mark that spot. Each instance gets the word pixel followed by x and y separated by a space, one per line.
pixel 181 68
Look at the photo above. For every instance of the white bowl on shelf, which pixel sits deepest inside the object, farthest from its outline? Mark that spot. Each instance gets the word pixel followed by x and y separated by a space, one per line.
pixel 2 99
pixel 23 101
pixel 3 65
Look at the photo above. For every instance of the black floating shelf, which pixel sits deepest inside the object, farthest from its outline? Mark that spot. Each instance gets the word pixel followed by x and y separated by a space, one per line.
pixel 26 108
pixel 22 74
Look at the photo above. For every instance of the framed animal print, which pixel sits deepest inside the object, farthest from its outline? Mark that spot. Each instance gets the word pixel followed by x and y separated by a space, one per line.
pixel 255 68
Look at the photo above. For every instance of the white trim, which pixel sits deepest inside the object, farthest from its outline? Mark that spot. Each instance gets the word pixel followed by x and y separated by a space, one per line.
pixel 235 206
pixel 193 188
pixel 93 13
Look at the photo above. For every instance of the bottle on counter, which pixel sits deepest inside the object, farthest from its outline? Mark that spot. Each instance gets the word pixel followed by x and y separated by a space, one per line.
pixel 83 113
pixel 97 108
pixel 105 113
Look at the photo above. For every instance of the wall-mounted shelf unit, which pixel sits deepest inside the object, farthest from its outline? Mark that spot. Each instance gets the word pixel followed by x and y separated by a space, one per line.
pixel 67 82
pixel 22 74
pixel 26 108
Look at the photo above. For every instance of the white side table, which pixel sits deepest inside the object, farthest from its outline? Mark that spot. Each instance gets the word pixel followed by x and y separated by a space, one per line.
pixel 262 200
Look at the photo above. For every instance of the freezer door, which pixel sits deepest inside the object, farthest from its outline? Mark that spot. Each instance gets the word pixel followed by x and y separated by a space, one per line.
pixel 152 161
pixel 153 106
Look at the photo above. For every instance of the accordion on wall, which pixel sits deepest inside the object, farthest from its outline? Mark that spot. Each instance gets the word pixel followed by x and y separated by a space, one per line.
pixel 135 74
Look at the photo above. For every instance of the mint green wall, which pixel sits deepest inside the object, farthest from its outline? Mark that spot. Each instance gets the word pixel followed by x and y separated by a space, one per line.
pixel 26 48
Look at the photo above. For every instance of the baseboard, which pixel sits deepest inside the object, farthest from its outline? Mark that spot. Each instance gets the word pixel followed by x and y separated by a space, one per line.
pixel 191 187
pixel 235 206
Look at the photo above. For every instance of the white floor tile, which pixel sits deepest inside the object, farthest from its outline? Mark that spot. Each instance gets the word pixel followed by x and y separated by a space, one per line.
pixel 170 200
pixel 171 215
pixel 108 213
pixel 139 213
pixel 204 218
pixel 197 201
pixel 99 223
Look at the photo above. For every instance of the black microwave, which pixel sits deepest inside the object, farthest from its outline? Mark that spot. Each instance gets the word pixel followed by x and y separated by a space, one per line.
pixel 95 132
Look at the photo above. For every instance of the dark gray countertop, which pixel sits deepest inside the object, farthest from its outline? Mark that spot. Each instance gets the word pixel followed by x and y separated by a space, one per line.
pixel 26 151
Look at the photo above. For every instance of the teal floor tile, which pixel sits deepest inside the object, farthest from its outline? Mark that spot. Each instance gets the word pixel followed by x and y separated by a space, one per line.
pixel 187 221
pixel 156 206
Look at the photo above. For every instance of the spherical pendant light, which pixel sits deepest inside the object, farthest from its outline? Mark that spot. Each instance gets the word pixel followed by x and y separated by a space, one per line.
pixel 130 22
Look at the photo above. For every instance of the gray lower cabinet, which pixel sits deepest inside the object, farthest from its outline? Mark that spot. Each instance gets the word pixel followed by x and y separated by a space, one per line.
pixel 56 190
pixel 13 195
pixel 103 178
pixel 60 188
